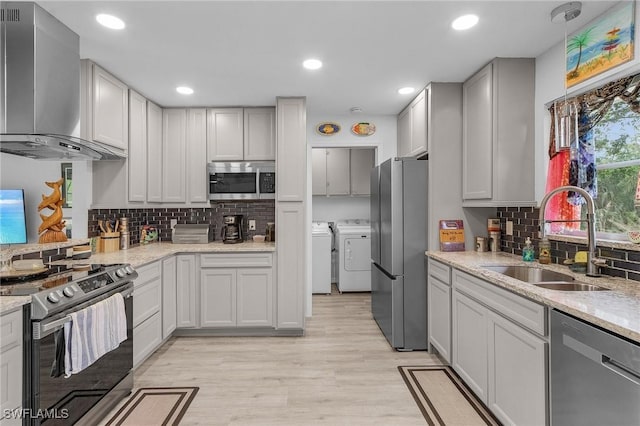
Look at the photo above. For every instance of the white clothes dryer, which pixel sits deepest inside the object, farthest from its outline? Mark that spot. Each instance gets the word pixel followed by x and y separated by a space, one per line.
pixel 353 246
pixel 321 237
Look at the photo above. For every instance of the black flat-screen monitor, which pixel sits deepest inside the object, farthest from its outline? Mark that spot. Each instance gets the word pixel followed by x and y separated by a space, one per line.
pixel 13 222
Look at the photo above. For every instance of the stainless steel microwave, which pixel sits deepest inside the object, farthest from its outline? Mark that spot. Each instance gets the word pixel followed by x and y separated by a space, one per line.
pixel 242 181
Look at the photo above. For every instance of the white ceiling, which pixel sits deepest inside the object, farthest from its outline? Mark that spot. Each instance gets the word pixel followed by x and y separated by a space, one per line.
pixel 237 53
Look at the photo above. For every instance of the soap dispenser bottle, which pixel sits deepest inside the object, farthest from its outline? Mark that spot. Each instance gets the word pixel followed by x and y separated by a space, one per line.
pixel 528 253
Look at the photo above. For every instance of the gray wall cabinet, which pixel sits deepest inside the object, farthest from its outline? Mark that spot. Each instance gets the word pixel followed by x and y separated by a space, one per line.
pixel 498 134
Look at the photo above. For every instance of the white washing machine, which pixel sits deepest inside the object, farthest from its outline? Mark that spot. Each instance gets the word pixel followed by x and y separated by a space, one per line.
pixel 353 246
pixel 321 255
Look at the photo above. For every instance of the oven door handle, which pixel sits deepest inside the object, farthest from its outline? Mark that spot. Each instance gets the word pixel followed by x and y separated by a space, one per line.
pixel 55 324
pixel 44 329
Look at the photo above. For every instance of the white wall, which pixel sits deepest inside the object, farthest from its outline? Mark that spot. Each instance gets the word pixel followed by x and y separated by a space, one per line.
pixel 550 86
pixel 331 209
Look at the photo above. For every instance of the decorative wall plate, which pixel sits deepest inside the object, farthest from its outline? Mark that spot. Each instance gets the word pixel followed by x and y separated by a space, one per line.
pixel 328 129
pixel 363 129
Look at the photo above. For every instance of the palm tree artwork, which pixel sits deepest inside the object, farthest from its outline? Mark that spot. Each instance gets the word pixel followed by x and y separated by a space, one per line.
pixel 579 42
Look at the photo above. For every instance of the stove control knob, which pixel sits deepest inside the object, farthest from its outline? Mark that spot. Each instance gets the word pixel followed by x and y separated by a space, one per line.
pixel 68 292
pixel 120 273
pixel 129 269
pixel 53 298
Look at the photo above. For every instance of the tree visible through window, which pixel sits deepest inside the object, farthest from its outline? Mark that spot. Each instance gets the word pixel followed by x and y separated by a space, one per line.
pixel 617 142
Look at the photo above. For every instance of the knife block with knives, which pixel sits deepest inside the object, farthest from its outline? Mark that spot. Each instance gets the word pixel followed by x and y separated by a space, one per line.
pixel 109 237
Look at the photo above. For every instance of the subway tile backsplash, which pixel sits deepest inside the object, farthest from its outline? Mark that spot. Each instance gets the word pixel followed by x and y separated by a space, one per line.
pixel 262 211
pixel 620 263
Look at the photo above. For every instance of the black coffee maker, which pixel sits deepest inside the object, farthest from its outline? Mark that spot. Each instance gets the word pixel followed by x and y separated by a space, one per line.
pixel 232 229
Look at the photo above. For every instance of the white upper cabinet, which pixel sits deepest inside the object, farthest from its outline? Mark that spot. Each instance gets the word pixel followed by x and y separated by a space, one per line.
pixel 338 180
pixel 137 160
pixel 342 171
pixel 259 134
pixel 404 132
pixel 225 134
pixel 412 128
pixel 154 153
pixel 291 162
pixel 319 171
pixel 197 155
pixel 174 134
pixel 105 107
pixel 241 134
pixel 361 162
pixel 419 125
pixel 498 135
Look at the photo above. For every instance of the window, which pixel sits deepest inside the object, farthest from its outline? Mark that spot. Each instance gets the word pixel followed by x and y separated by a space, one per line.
pixel 617 143
pixel 609 131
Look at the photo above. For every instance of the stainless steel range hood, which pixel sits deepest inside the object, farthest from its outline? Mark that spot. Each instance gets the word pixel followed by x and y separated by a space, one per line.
pixel 40 88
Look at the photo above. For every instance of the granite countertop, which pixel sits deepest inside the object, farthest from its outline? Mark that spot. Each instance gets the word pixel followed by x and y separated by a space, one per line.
pixel 138 256
pixel 143 254
pixel 617 310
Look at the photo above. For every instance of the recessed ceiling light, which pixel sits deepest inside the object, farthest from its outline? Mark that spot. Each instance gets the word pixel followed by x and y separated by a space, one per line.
pixel 312 64
pixel 406 90
pixel 184 90
pixel 110 21
pixel 464 22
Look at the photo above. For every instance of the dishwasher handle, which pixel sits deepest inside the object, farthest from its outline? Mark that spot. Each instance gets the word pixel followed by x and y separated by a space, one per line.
pixel 620 369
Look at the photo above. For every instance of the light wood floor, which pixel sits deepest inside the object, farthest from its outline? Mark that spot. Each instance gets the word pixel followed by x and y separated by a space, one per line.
pixel 341 372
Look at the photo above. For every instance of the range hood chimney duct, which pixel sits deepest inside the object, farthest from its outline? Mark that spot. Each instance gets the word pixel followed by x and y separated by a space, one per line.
pixel 40 88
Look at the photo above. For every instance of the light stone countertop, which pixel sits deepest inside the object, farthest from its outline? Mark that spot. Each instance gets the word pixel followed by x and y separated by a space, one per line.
pixel 141 255
pixel 16 249
pixel 617 310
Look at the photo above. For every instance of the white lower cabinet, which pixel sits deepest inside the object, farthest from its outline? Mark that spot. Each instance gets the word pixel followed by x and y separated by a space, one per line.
pixel 439 308
pixel 500 349
pixel 470 343
pixel 169 293
pixel 218 297
pixel 254 297
pixel 10 367
pixel 516 373
pixel 147 311
pixel 240 296
pixel 187 284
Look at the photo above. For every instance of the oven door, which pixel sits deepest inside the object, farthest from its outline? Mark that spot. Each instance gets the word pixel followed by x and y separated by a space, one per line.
pixel 60 400
pixel 233 185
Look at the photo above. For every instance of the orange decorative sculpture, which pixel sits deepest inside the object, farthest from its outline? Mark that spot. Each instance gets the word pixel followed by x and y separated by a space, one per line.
pixel 51 228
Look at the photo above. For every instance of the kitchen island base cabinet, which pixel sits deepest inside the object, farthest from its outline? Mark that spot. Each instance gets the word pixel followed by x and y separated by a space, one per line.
pixel 499 349
pixel 10 367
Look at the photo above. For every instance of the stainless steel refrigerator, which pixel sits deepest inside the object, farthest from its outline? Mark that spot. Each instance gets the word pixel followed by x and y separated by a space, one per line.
pixel 398 243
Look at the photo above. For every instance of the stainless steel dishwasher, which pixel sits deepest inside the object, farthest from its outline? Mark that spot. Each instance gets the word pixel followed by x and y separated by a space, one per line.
pixel 595 375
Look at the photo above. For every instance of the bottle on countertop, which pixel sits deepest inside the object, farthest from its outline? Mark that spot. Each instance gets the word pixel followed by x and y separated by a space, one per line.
pixel 528 253
pixel 544 251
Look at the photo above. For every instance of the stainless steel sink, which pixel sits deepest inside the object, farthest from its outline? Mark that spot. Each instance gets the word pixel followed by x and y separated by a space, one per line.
pixel 570 286
pixel 530 274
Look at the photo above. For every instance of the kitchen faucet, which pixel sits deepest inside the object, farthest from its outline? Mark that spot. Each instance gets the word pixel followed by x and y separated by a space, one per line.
pixel 592 261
